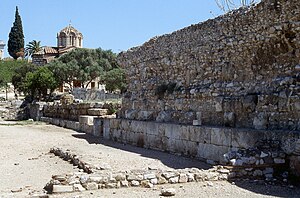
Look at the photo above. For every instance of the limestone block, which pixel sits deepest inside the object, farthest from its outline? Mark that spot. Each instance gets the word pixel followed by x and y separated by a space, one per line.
pixel 135 183
pixel 97 112
pixel 245 138
pixel 62 123
pixel 212 152
pixel 55 121
pixel 148 176
pixel 153 142
pixel 151 128
pixel 78 188
pixel 168 192
pixel 137 126
pixel 86 120
pixel 146 184
pixel 92 186
pixel 260 121
pixel 115 123
pixel 106 129
pixel 72 125
pixel 174 180
pixel 173 131
pixel 197 122
pixel 183 178
pixel 98 127
pixel 221 136
pixel 87 129
pixel 184 132
pixel 199 134
pixel 62 189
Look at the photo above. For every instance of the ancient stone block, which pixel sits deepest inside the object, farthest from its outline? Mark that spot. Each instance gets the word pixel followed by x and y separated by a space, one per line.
pixel 221 137
pixel 229 119
pixel 98 127
pixel 212 152
pixel 260 121
pixel 86 120
pixel 245 138
pixel 62 189
pixel 97 112
pixel 199 134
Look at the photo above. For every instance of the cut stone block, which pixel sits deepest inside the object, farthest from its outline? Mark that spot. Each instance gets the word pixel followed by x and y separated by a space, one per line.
pixel 97 112
pixel 62 189
pixel 86 120
pixel 197 122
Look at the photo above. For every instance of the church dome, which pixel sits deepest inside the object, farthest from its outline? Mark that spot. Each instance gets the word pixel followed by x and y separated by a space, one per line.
pixel 69 37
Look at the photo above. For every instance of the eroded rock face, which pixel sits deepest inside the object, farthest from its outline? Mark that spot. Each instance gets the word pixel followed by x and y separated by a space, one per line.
pixel 238 70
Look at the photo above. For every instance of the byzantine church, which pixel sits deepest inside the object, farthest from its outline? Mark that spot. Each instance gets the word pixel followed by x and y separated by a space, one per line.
pixel 68 39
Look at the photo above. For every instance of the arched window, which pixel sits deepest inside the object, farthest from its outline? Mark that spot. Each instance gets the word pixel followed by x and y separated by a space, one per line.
pixel 72 39
pixel 62 40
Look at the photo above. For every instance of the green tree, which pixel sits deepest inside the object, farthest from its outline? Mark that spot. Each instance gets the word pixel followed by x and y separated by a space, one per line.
pixel 64 72
pixel 38 83
pixel 20 74
pixel 16 38
pixel 84 65
pixel 7 70
pixel 32 47
pixel 115 79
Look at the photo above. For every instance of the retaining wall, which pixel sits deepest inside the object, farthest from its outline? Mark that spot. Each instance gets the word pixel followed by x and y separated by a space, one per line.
pixel 239 70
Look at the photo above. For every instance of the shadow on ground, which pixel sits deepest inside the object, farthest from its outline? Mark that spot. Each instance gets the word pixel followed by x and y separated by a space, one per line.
pixel 180 162
pixel 170 160
pixel 274 190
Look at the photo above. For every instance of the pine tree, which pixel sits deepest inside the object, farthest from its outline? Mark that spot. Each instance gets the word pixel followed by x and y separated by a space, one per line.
pixel 16 38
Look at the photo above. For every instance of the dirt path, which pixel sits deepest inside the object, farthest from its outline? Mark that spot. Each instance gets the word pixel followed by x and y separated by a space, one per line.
pixel 26 165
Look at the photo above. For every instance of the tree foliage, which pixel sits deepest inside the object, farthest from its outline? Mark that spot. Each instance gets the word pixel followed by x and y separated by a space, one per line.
pixel 16 38
pixel 228 5
pixel 19 75
pixel 84 65
pixel 7 70
pixel 32 47
pixel 115 79
pixel 38 83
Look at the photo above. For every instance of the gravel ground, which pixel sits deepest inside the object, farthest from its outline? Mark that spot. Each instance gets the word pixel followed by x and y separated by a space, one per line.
pixel 26 165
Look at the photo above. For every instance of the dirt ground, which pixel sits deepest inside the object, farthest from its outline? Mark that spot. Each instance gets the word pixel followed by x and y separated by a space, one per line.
pixel 26 165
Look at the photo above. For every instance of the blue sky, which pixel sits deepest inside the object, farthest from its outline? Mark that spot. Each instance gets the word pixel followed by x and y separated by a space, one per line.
pixel 109 24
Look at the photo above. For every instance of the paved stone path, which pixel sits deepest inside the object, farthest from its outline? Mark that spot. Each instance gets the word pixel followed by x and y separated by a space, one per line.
pixel 26 165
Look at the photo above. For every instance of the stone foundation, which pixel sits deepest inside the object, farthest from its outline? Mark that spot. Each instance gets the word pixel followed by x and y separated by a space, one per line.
pixel 254 149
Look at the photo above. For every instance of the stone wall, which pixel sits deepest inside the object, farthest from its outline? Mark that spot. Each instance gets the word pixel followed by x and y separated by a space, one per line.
pixel 239 148
pixel 239 70
pixel 205 143
pixel 93 94
pixel 76 110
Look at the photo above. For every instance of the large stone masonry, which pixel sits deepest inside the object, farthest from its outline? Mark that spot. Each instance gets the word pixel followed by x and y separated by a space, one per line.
pixel 239 70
